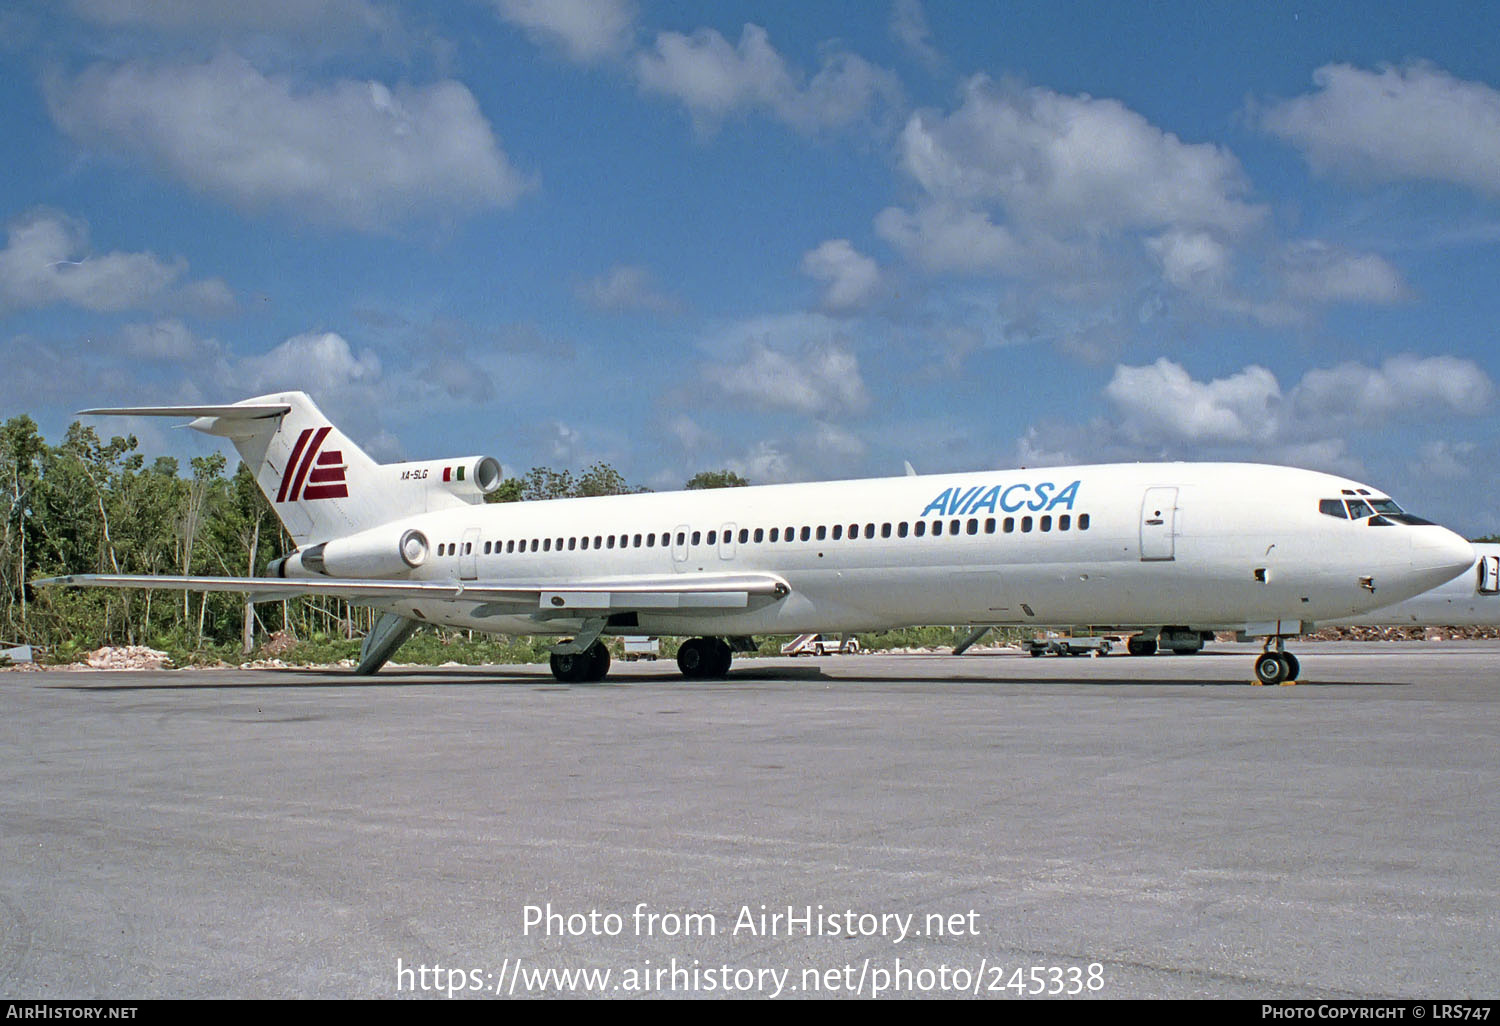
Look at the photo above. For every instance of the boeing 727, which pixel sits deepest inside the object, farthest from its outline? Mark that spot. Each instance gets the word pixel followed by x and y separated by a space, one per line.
pixel 1207 546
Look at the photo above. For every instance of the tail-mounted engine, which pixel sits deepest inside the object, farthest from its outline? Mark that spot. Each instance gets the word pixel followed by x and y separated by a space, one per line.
pixel 470 478
pixel 382 552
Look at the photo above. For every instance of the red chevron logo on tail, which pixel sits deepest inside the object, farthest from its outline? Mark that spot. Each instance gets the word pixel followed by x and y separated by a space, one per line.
pixel 322 473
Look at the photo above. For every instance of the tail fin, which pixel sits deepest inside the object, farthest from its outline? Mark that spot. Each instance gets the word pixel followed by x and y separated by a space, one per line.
pixel 320 483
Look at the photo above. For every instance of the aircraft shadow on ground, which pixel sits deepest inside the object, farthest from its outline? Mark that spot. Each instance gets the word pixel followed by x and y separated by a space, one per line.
pixel 542 679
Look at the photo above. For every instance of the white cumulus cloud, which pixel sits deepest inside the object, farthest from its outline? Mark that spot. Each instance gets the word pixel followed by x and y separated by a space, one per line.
pixel 852 278
pixel 715 79
pixel 625 288
pixel 355 153
pixel 1162 402
pixel 46 260
pixel 1414 122
pixel 320 363
pixel 587 30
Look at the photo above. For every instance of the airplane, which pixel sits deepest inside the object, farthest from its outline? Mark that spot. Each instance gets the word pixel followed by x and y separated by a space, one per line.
pixel 1210 546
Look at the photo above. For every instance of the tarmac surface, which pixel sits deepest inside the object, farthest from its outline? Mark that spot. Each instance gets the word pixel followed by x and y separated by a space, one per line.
pixel 990 824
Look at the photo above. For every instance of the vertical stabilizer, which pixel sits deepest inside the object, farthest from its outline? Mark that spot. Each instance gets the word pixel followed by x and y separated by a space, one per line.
pixel 320 483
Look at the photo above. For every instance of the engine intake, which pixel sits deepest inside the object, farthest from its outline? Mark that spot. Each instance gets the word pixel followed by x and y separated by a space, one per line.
pixel 470 478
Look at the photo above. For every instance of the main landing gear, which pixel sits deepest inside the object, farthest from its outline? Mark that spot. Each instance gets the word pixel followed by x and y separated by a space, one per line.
pixel 1276 667
pixel 704 658
pixel 698 659
pixel 586 667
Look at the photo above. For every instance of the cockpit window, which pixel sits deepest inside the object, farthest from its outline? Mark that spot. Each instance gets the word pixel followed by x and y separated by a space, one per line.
pixel 1359 509
pixel 1332 508
pixel 1385 506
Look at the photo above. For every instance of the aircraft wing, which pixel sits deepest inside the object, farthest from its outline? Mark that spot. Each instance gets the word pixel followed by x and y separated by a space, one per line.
pixel 695 593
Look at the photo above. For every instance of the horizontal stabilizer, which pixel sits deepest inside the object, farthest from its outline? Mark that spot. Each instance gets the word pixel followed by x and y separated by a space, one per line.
pixel 255 411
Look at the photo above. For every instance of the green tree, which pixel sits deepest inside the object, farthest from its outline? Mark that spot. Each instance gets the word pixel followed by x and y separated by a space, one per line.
pixel 716 479
pixel 21 452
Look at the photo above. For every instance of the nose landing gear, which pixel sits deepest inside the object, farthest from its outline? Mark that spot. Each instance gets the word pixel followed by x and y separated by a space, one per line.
pixel 1276 667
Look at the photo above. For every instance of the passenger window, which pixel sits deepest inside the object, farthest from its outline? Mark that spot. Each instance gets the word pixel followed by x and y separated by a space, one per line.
pixel 546 544
pixel 974 525
pixel 1010 525
pixel 806 533
pixel 1083 521
pixel 697 537
pixel 937 528
pixel 989 525
pixel 1064 522
pixel 1047 523
pixel 1025 524
pixel 1332 508
pixel 609 541
pixel 760 535
pixel 953 527
pixel 901 529
pixel 681 538
pixel 822 532
pixel 885 530
pixel 636 543
pixel 775 534
pixel 651 540
pixel 744 535
pixel 921 528
pixel 838 531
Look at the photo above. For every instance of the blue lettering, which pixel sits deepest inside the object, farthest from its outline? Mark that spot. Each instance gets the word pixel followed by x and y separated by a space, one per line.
pixel 986 501
pixel 960 501
pixel 1005 502
pixel 940 504
pixel 1068 494
pixel 1044 495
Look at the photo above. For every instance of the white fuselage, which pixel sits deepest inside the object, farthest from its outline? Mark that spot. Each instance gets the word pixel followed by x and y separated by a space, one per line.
pixel 1206 546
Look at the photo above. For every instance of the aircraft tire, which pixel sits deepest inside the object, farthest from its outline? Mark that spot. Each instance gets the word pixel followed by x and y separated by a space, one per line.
pixel 1138 646
pixel 693 658
pixel 1293 668
pixel 723 656
pixel 598 661
pixel 571 669
pixel 1271 668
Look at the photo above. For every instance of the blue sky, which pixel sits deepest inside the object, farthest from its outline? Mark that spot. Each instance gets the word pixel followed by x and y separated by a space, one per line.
pixel 803 241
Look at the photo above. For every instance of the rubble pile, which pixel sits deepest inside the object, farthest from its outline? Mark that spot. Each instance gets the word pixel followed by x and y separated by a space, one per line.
pixel 128 657
pixel 1407 633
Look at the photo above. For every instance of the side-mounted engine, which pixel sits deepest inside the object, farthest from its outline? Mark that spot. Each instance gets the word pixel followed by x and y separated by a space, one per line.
pixel 381 552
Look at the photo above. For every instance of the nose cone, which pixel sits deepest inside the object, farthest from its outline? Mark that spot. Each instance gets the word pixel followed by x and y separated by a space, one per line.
pixel 1438 555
